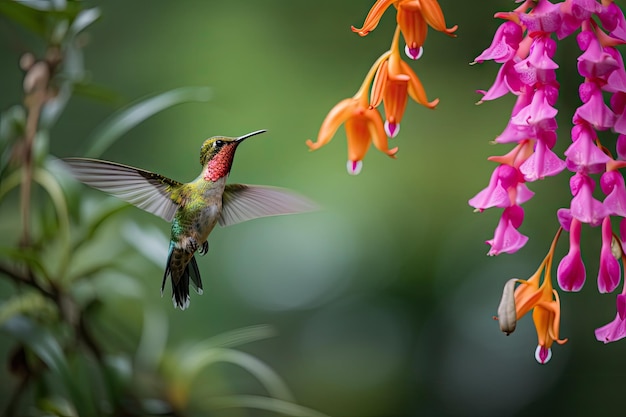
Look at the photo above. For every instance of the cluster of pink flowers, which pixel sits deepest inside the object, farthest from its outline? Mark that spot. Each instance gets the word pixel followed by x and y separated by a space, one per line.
pixel 525 45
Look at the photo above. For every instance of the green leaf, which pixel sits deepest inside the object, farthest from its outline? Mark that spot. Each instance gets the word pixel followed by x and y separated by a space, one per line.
pixel 108 211
pixel 27 256
pixel 262 403
pixel 193 360
pixel 47 348
pixel 238 337
pixel 84 19
pixel 98 92
pixel 32 304
pixel 31 19
pixel 38 16
pixel 129 117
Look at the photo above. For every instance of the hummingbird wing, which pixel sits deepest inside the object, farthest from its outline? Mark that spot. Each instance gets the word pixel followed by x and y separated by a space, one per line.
pixel 151 192
pixel 243 202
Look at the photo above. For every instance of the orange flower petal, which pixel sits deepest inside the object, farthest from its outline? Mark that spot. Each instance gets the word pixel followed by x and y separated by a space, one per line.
pixel 527 296
pixel 377 133
pixel 434 16
pixel 396 97
pixel 379 85
pixel 416 89
pixel 358 135
pixel 337 115
pixel 373 17
pixel 412 24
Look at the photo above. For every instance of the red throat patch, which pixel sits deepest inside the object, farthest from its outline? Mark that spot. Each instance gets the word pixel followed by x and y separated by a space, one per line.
pixel 219 166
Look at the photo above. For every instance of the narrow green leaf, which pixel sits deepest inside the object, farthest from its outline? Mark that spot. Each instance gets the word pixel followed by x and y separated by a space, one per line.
pixel 28 257
pixel 84 19
pixel 129 117
pixel 28 17
pixel 37 16
pixel 97 221
pixel 196 359
pixel 238 337
pixel 97 92
pixel 262 403
pixel 46 347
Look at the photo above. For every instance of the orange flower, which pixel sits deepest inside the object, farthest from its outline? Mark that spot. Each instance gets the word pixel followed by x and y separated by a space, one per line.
pixel 394 82
pixel 363 125
pixel 544 302
pixel 412 17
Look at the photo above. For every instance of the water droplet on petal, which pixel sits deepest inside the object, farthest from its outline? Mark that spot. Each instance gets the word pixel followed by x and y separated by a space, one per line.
pixel 413 53
pixel 392 129
pixel 354 167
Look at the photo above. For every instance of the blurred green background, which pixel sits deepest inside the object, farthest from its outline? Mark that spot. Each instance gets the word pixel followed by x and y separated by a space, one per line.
pixel 381 302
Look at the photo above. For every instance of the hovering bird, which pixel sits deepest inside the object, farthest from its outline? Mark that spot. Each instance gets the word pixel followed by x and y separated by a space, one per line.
pixel 194 208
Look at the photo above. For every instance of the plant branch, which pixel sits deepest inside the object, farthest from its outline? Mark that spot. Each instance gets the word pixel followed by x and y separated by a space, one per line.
pixel 28 279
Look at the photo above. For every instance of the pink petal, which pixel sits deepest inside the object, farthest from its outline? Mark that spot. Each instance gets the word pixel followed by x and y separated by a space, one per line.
pixel 610 273
pixel 504 45
pixel 612 184
pixel 571 272
pixel 506 238
pixel 542 163
pixel 496 193
pixel 594 111
pixel 583 206
pixel 583 154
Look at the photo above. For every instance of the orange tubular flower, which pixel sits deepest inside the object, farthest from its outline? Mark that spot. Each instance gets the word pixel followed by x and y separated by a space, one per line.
pixel 394 82
pixel 413 17
pixel 544 302
pixel 363 125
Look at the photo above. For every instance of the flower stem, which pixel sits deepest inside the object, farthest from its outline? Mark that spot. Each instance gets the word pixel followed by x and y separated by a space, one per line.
pixel 363 90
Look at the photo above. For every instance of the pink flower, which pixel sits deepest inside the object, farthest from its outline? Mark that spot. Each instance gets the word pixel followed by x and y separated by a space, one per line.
pixel 594 62
pixel 533 117
pixel 616 81
pixel 612 19
pixel 507 238
pixel 594 111
pixel 542 163
pixel 545 17
pixel 609 273
pixel 539 113
pixel 612 184
pixel 504 45
pixel 507 80
pixel 618 103
pixel 616 329
pixel 584 207
pixel 571 271
pixel 583 154
pixel 496 194
pixel 538 67
pixel 620 147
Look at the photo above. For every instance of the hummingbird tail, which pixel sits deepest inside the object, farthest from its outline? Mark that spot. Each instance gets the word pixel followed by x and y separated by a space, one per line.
pixel 183 270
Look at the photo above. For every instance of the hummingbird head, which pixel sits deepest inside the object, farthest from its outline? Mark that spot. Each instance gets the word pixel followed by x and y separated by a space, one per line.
pixel 216 154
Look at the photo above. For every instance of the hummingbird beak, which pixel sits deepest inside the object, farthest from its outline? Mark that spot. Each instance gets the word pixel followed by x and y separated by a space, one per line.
pixel 241 138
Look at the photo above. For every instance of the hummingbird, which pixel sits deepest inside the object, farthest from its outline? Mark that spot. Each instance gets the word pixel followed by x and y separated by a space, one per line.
pixel 193 208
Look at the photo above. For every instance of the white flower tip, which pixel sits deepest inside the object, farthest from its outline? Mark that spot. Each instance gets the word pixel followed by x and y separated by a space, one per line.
pixel 392 129
pixel 543 354
pixel 354 167
pixel 413 53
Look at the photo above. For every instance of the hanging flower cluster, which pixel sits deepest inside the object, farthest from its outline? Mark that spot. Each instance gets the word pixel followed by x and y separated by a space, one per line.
pixel 390 81
pixel 524 45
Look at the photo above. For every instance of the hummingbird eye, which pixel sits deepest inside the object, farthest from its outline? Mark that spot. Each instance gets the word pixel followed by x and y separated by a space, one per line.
pixel 218 143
